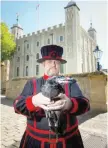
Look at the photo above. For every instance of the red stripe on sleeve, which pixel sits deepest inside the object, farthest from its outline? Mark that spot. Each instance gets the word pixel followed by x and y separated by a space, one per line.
pixel 67 94
pixel 34 87
pixel 87 104
pixel 30 105
pixel 75 107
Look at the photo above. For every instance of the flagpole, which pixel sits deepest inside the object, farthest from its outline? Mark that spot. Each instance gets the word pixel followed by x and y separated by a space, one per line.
pixel 37 9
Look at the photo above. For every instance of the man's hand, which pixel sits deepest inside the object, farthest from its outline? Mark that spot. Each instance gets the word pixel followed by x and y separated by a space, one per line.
pixel 63 104
pixel 41 101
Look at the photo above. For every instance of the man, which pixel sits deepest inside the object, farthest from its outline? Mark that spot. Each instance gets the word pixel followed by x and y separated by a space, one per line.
pixel 32 104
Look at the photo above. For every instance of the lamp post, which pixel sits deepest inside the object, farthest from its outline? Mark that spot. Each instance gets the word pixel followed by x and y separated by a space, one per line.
pixel 98 54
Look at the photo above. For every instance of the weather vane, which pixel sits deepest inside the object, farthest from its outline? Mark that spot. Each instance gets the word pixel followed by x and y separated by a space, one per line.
pixel 17 19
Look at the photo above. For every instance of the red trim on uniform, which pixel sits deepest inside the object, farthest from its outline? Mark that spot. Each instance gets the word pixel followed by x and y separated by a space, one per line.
pixel 46 57
pixel 75 108
pixel 87 105
pixel 64 144
pixel 67 94
pixel 66 89
pixel 47 131
pixel 67 137
pixel 51 145
pixel 34 93
pixel 54 146
pixel 39 130
pixel 46 77
pixel 16 100
pixel 52 140
pixel 14 105
pixel 29 104
pixel 34 86
pixel 24 140
pixel 42 145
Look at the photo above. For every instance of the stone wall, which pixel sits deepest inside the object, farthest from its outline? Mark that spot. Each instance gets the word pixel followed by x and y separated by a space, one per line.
pixel 4 75
pixel 93 85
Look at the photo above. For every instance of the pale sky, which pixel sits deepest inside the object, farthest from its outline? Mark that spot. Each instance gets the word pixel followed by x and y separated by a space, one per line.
pixel 50 13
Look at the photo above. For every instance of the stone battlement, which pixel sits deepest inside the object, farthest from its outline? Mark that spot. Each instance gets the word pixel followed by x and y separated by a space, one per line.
pixel 53 28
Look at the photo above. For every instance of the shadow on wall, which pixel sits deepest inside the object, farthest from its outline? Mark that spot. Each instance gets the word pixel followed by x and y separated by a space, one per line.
pixel 91 114
pixel 6 101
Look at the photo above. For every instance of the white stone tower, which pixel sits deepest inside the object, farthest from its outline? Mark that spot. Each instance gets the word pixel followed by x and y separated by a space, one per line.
pixel 72 38
pixel 92 32
pixel 16 29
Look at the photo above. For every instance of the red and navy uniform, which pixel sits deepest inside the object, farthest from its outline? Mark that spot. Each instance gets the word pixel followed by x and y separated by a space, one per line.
pixel 37 132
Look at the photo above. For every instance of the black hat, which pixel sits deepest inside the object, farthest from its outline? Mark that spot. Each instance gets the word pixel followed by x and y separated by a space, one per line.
pixel 51 52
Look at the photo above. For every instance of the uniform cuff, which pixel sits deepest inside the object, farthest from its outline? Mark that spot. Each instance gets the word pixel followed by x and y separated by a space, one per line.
pixel 30 105
pixel 74 105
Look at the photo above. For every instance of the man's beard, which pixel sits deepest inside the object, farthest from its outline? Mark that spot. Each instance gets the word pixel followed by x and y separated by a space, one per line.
pixel 50 72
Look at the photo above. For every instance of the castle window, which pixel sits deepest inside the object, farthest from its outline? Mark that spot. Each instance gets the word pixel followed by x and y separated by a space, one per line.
pixel 37 69
pixel 18 48
pixel 17 71
pixel 61 38
pixel 18 59
pixel 48 41
pixel 26 70
pixel 27 57
pixel 37 43
pixel 37 56
pixel 27 46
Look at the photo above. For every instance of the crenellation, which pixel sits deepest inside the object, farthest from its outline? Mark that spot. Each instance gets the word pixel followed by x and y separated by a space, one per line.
pixel 43 30
pixel 55 26
pixel 60 25
pixel 38 32
pixel 33 33
pixel 23 36
pixel 28 34
pixel 49 28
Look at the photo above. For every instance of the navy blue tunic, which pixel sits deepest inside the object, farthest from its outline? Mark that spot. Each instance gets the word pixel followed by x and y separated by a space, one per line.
pixel 37 131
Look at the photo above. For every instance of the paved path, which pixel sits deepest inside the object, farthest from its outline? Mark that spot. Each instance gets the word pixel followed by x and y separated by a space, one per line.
pixel 93 127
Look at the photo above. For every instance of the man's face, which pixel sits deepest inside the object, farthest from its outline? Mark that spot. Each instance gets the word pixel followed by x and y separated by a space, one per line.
pixel 51 67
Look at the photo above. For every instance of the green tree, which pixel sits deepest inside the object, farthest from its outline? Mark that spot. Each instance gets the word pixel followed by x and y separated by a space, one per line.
pixel 7 43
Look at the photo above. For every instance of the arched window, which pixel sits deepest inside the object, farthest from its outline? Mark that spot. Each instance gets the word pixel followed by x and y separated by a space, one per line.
pixel 18 48
pixel 26 70
pixel 37 43
pixel 61 38
pixel 37 56
pixel 17 71
pixel 37 69
pixel 48 41
pixel 27 46
pixel 18 59
pixel 27 57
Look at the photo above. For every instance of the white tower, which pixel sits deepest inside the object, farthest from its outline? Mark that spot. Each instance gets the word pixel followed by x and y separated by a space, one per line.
pixel 72 38
pixel 92 32
pixel 16 29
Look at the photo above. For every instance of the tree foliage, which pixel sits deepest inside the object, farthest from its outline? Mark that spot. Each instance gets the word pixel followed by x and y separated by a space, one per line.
pixel 7 43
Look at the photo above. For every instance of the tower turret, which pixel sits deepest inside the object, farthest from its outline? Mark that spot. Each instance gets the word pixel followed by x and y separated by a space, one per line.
pixel 72 38
pixel 16 29
pixel 92 32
